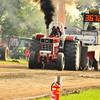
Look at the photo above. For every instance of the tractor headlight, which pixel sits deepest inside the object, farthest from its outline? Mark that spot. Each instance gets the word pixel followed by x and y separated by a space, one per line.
pixel 42 40
pixel 51 40
pixel 20 51
pixel 46 40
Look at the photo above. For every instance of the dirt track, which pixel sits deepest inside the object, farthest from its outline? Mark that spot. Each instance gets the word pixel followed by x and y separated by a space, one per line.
pixel 17 81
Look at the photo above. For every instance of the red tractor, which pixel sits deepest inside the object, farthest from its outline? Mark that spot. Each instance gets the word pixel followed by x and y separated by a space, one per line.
pixel 59 51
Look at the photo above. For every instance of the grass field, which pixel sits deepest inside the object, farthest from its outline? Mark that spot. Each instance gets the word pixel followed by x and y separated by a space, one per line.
pixel 21 61
pixel 93 94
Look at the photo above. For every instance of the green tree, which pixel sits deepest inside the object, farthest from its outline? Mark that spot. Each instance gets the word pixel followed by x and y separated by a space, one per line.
pixel 20 18
pixel 72 20
pixel 85 5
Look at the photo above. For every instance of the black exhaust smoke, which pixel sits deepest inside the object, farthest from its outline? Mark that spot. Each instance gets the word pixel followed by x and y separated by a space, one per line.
pixel 48 9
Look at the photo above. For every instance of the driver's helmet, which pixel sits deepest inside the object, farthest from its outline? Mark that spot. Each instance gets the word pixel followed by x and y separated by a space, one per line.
pixel 54 29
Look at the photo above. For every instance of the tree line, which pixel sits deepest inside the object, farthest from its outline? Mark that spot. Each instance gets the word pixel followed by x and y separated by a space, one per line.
pixel 22 18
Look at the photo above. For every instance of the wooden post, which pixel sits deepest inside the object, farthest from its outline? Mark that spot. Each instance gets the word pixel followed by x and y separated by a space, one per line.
pixel 58 79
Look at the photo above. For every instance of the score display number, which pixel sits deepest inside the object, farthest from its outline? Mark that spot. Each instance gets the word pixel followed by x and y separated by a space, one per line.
pixel 91 18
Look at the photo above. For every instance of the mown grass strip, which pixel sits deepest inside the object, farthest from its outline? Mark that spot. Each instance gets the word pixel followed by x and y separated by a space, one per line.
pixel 21 61
pixel 93 94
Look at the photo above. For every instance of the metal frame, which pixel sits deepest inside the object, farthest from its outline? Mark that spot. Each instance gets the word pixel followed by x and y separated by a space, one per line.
pixel 63 34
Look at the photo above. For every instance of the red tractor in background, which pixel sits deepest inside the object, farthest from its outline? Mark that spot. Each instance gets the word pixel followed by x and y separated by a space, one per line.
pixel 4 50
pixel 61 52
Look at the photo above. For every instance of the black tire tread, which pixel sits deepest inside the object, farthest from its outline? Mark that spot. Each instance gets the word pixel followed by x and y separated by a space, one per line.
pixel 70 52
pixel 32 60
pixel 3 50
pixel 35 46
pixel 59 63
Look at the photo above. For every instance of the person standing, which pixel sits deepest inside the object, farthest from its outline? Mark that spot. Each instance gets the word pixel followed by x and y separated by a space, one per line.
pixel 90 27
pixel 27 54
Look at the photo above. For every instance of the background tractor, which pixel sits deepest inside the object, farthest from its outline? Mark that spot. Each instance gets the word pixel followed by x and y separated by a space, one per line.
pixel 23 45
pixel 17 46
pixel 4 50
pixel 90 39
pixel 13 43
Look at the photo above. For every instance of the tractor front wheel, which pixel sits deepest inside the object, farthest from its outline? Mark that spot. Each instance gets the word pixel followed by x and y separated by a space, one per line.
pixel 60 61
pixel 32 60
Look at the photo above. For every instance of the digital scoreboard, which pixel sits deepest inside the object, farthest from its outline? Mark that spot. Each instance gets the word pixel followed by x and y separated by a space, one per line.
pixel 91 17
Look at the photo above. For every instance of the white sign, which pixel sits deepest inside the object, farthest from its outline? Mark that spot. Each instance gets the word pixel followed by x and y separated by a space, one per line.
pixel 86 38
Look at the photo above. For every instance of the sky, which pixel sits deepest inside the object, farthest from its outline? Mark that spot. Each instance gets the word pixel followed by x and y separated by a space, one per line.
pixel 73 10
pixel 70 6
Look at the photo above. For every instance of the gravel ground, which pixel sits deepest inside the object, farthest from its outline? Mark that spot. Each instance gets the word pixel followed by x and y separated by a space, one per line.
pixel 17 81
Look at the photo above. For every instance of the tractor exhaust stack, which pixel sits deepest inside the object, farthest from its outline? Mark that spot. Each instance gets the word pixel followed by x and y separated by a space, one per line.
pixel 47 33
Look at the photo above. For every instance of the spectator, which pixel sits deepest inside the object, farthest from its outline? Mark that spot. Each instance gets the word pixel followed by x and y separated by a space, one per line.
pixel 90 27
pixel 27 54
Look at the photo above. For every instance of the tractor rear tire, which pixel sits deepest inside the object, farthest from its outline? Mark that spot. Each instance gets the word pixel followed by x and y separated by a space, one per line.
pixel 32 60
pixel 60 61
pixel 4 50
pixel 72 52
pixel 35 46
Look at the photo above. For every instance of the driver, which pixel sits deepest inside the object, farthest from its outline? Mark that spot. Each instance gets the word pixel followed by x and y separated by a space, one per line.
pixel 56 31
pixel 90 27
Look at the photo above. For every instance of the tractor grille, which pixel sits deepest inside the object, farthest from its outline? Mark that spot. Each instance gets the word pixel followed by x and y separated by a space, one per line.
pixel 47 47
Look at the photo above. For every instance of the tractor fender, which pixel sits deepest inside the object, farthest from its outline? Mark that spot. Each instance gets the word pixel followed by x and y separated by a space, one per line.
pixel 70 38
pixel 38 36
